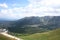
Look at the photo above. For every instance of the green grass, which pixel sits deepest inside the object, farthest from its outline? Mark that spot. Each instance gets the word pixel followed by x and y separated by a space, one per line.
pixel 52 35
pixel 2 37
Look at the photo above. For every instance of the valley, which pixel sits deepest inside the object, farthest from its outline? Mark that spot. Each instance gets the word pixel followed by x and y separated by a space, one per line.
pixel 32 28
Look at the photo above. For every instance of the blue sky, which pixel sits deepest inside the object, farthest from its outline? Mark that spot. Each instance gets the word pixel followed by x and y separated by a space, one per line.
pixel 16 3
pixel 16 9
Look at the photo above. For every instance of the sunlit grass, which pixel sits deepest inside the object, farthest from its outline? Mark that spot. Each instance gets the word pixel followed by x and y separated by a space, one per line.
pixel 52 35
pixel 2 37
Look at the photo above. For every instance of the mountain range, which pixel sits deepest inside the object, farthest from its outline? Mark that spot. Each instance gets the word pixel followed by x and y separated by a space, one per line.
pixel 32 24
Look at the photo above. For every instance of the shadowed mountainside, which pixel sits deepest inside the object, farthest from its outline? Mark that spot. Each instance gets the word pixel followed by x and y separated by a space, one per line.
pixel 35 24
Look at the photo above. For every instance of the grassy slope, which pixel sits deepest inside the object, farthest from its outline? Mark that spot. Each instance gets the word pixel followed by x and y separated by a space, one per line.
pixel 52 35
pixel 5 38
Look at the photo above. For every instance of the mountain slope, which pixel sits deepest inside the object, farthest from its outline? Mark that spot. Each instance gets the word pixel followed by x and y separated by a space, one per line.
pixel 35 24
pixel 52 35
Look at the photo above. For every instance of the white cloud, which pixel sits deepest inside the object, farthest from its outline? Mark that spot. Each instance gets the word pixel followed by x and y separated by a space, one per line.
pixel 50 3
pixel 4 5
pixel 35 8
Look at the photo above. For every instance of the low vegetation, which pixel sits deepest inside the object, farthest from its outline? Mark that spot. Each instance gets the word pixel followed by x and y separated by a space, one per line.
pixel 52 35
pixel 2 37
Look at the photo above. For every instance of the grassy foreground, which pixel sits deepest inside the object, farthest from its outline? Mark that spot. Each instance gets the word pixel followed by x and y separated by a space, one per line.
pixel 5 38
pixel 52 35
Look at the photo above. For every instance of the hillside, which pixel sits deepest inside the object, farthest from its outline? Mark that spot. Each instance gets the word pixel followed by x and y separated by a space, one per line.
pixel 52 35
pixel 38 27
pixel 2 37
pixel 35 24
pixel 32 24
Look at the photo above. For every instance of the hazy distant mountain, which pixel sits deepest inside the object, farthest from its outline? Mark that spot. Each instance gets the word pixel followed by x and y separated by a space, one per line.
pixel 5 23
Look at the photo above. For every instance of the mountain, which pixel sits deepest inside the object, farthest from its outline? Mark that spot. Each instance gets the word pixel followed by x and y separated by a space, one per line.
pixel 35 24
pixel 29 21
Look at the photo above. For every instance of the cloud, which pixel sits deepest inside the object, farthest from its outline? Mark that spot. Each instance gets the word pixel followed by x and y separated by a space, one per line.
pixel 7 14
pixel 43 7
pixel 4 5
pixel 35 8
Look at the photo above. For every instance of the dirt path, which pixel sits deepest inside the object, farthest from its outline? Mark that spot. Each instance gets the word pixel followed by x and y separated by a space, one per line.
pixel 5 34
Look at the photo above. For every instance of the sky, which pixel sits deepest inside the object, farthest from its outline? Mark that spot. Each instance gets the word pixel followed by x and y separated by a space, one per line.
pixel 16 9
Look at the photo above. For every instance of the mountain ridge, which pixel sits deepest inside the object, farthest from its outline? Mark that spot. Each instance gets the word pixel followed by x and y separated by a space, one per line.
pixel 35 24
